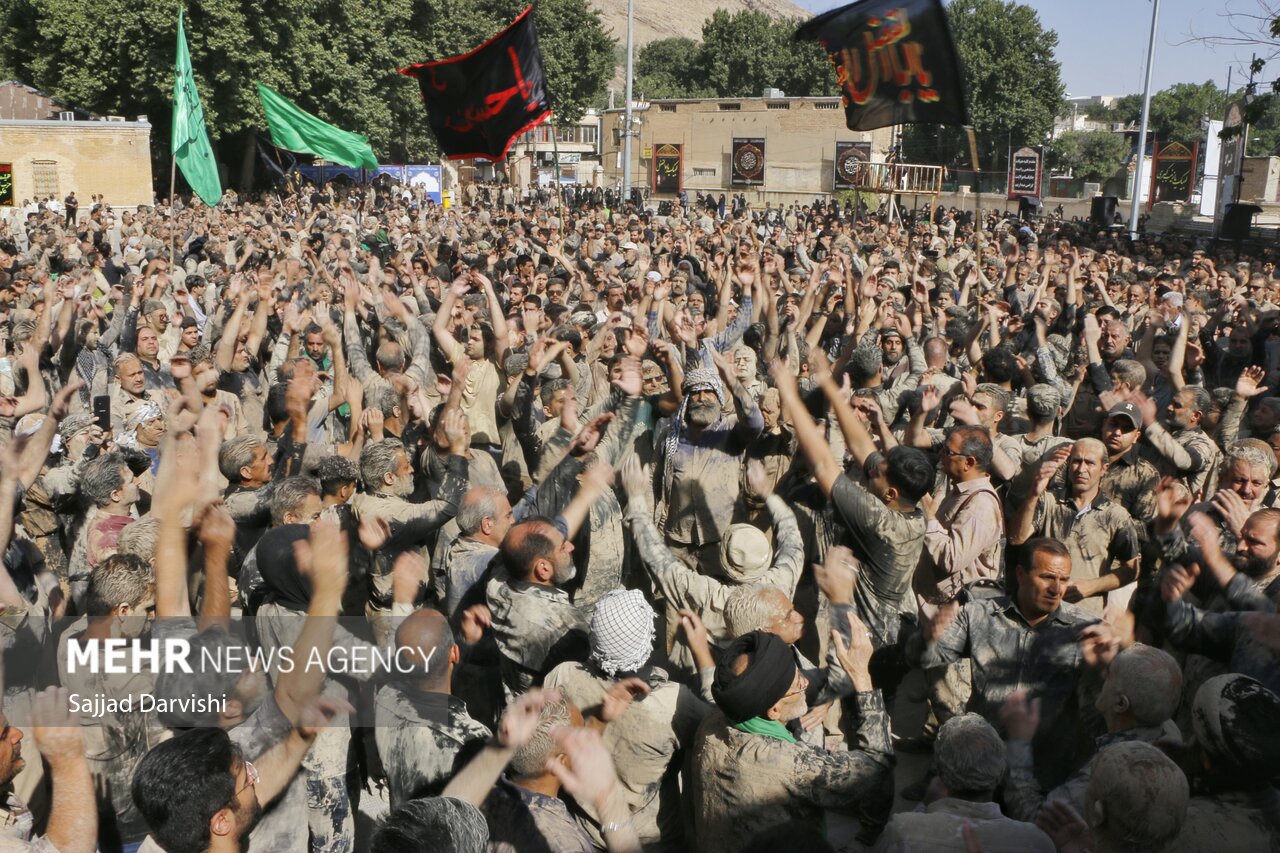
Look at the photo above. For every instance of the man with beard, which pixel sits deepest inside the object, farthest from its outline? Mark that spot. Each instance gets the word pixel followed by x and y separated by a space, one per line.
pixel 1178 446
pixel 1130 480
pixel 535 624
pixel 701 459
pixel 1226 637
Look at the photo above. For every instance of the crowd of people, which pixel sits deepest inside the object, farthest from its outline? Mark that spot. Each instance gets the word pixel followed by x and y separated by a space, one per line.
pixel 660 523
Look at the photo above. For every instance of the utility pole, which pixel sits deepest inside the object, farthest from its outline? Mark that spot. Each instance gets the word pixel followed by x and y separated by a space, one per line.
pixel 626 131
pixel 1142 129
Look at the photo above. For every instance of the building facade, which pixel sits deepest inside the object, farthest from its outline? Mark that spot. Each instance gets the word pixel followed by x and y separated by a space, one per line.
pixel 786 147
pixel 48 150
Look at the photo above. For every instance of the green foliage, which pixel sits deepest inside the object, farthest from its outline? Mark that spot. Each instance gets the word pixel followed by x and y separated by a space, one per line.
pixel 1091 155
pixel 740 55
pixel 1176 112
pixel 334 58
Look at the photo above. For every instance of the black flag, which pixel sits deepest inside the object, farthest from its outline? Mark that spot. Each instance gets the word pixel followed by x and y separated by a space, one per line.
pixel 895 62
pixel 479 102
pixel 278 162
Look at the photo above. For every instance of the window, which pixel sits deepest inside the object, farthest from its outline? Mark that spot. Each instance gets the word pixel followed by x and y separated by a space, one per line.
pixel 729 107
pixel 44 177
pixel 778 105
pixel 825 105
pixel 667 108
pixel 703 172
pixel 565 134
pixel 589 135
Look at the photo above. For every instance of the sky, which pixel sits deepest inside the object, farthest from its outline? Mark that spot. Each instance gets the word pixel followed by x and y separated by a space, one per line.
pixel 1102 44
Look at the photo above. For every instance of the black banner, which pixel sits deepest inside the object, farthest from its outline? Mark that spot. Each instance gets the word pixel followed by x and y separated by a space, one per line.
pixel 851 170
pixel 6 185
pixel 1173 173
pixel 748 163
pixel 1025 173
pixel 668 168
pixel 479 102
pixel 280 164
pixel 895 62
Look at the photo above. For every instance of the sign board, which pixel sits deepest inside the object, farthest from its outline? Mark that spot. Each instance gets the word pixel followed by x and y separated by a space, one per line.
pixel 570 158
pixel 1025 172
pixel 6 185
pixel 747 162
pixel 851 170
pixel 646 153
pixel 668 168
pixel 1212 163
pixel 1173 173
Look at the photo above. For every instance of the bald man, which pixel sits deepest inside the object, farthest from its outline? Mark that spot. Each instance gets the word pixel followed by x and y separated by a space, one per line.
pixel 424 734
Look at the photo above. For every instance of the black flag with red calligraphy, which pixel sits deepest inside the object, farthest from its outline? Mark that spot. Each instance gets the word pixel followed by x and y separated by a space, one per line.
pixel 895 62
pixel 479 102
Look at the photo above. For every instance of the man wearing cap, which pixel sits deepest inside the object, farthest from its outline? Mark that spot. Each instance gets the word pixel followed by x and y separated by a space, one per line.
pixel 649 740
pixel 1130 480
pixel 744 554
pixel 1104 546
pixel 631 267
pixel 749 771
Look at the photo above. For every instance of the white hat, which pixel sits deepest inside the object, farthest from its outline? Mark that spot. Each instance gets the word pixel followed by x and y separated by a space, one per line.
pixel 629 245
pixel 745 553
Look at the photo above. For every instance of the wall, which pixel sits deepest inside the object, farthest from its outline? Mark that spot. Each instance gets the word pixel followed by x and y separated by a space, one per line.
pixel 92 157
pixel 1260 179
pixel 800 144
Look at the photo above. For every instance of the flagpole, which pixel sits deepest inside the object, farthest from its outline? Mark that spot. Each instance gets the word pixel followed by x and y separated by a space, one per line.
pixel 555 151
pixel 1142 131
pixel 626 132
pixel 173 216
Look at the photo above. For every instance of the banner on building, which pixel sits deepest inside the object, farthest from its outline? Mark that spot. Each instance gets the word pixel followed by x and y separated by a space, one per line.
pixel 479 102
pixel 747 162
pixel 1173 173
pixel 895 62
pixel 6 185
pixel 851 171
pixel 668 169
pixel 1026 172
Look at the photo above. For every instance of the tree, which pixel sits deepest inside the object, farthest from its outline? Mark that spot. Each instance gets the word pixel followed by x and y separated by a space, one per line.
pixel 1176 112
pixel 740 55
pixel 1014 83
pixel 1089 155
pixel 335 58
pixel 667 68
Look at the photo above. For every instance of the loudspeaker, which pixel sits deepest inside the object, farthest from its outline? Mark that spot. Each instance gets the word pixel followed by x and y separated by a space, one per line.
pixel 1028 206
pixel 1237 221
pixel 1102 212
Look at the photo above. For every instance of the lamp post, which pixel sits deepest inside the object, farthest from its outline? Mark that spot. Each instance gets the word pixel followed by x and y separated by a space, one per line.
pixel 1142 130
pixel 626 130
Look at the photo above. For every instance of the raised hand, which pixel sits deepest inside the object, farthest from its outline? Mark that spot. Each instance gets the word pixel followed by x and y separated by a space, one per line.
pixel 1177 581
pixel 520 720
pixel 1247 385
pixel 1172 501
pixel 1020 716
pixel 837 576
pixel 618 698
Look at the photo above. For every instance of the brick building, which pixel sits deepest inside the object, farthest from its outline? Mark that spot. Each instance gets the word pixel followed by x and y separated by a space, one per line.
pixel 799 150
pixel 49 149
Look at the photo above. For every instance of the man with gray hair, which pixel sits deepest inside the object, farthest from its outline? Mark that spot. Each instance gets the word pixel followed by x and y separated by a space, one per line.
pixel 970 760
pixel 484 517
pixel 1177 443
pixel 1138 698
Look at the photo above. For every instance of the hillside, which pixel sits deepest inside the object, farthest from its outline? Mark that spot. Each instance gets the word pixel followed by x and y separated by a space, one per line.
pixel 658 20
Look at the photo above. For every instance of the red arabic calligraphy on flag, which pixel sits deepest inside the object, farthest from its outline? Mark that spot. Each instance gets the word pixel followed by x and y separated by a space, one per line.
pixel 479 102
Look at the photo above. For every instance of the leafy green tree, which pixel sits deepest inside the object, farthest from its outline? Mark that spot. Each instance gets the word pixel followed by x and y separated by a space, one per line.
pixel 1091 155
pixel 667 68
pixel 741 54
pixel 1176 112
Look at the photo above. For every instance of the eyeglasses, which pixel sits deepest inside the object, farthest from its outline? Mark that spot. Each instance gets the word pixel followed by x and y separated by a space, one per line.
pixel 252 773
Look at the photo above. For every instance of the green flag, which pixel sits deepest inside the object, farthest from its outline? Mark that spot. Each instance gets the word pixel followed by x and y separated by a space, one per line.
pixel 190 138
pixel 298 130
